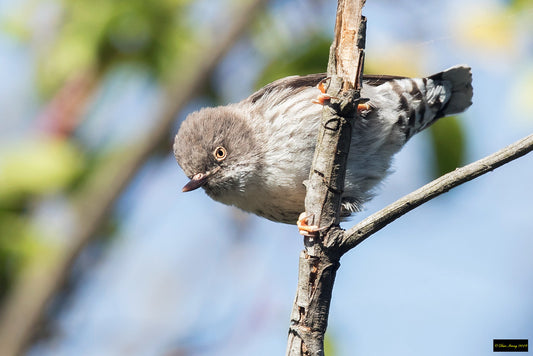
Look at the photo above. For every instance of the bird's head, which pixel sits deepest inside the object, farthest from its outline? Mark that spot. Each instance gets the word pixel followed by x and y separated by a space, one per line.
pixel 217 150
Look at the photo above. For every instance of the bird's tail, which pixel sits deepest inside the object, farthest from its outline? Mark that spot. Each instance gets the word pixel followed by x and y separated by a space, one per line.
pixel 421 101
pixel 457 84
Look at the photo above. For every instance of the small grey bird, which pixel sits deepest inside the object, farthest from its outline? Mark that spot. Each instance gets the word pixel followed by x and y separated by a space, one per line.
pixel 255 154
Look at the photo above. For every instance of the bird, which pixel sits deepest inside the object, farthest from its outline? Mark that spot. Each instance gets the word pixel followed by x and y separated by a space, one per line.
pixel 257 153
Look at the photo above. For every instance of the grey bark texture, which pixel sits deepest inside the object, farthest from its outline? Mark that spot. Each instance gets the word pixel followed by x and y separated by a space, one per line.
pixel 318 262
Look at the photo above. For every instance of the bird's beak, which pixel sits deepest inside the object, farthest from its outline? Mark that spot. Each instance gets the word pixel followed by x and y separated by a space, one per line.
pixel 198 180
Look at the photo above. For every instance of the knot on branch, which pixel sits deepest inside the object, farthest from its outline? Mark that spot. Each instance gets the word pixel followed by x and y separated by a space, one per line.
pixel 343 103
pixel 333 242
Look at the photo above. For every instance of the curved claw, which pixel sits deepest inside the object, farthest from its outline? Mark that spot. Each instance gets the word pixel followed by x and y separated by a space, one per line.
pixel 320 85
pixel 323 98
pixel 305 229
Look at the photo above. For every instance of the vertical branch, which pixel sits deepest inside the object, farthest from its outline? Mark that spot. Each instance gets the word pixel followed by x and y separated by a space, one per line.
pixel 347 49
pixel 320 259
pixel 345 66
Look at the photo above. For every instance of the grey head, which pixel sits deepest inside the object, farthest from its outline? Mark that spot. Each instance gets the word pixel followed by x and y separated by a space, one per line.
pixel 217 150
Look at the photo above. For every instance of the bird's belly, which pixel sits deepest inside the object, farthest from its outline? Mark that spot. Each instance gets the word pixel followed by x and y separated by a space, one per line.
pixel 282 204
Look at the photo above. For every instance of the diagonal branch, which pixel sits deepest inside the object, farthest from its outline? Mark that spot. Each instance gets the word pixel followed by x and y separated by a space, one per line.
pixel 382 218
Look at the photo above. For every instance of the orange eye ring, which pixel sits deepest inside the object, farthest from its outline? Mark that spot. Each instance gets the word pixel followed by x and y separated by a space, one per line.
pixel 220 153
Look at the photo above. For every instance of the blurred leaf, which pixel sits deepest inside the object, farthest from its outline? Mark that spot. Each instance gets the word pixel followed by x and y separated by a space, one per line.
pixel 307 58
pixel 98 33
pixel 16 22
pixel 448 142
pixel 312 57
pixel 403 59
pixel 521 93
pixel 519 5
pixel 37 167
pixel 17 246
pixel 492 30
pixel 329 345
pixel 15 28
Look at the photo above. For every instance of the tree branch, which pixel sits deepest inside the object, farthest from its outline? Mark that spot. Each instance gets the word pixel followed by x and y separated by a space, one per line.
pixel 318 264
pixel 319 260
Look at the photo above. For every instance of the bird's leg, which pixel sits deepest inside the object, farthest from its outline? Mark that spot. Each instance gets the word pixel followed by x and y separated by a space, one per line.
pixel 305 229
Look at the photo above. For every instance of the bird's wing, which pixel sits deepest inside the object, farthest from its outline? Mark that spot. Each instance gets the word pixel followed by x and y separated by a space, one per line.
pixel 294 82
pixel 298 83
pixel 378 79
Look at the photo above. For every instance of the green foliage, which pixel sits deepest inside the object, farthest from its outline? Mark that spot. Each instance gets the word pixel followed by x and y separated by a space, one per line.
pixel 519 5
pixel 85 36
pixel 329 345
pixel 36 167
pixel 98 33
pixel 306 58
pixel 29 169
pixel 17 246
pixel 448 145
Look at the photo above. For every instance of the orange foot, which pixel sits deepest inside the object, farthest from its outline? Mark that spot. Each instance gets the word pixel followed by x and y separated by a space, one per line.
pixel 363 107
pixel 304 229
pixel 323 98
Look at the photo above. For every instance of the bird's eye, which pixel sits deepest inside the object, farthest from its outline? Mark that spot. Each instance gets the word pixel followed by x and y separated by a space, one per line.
pixel 220 153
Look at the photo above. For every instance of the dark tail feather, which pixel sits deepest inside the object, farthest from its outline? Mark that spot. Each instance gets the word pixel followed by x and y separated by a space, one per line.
pixel 458 81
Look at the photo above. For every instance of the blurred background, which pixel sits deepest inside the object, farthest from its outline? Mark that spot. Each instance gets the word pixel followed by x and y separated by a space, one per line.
pixel 101 253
